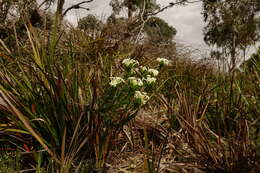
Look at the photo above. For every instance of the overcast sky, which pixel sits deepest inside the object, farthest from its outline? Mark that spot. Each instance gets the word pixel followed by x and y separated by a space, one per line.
pixel 186 19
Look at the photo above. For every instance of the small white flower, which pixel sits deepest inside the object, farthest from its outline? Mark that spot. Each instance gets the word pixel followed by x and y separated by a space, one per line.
pixel 130 62
pixel 135 81
pixel 163 61
pixel 153 72
pixel 115 81
pixel 139 82
pixel 150 79
pixel 143 69
pixel 141 97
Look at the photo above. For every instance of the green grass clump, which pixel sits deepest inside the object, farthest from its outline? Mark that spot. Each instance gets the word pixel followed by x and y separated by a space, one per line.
pixel 9 162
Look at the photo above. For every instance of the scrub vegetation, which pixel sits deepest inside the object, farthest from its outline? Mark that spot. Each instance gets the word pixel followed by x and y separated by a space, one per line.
pixel 122 95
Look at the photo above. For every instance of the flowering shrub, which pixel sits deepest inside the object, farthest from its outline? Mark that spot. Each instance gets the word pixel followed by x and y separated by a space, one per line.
pixel 121 101
pixel 135 82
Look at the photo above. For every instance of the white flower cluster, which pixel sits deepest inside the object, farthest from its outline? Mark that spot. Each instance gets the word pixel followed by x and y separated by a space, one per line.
pixel 163 61
pixel 141 97
pixel 153 72
pixel 138 78
pixel 150 79
pixel 130 62
pixel 115 81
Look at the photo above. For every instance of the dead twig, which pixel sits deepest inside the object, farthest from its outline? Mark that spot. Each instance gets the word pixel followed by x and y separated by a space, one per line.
pixel 77 6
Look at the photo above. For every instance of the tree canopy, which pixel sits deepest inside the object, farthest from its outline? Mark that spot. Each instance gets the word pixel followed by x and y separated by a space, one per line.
pixel 159 31
pixel 231 25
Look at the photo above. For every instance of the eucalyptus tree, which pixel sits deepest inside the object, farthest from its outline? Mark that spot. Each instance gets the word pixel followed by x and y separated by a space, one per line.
pixel 231 25
pixel 159 31
pixel 90 24
pixel 144 12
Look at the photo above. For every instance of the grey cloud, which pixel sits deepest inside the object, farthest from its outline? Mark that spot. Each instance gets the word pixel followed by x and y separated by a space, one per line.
pixel 188 22
pixel 99 8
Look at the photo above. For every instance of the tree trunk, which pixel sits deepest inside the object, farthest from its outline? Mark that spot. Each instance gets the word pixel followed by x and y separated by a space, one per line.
pixel 130 8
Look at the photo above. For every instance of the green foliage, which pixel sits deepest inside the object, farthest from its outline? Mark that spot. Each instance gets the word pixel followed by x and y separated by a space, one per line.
pixel 227 19
pixel 90 22
pixel 9 162
pixel 159 31
pixel 150 5
pixel 139 6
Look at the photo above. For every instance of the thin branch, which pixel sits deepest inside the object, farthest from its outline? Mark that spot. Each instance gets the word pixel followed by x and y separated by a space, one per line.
pixel 45 2
pixel 143 23
pixel 42 3
pixel 77 6
pixel 171 4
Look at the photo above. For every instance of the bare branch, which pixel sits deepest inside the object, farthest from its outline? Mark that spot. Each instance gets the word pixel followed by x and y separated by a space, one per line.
pixel 77 6
pixel 171 4
pixel 42 3
pixel 48 2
